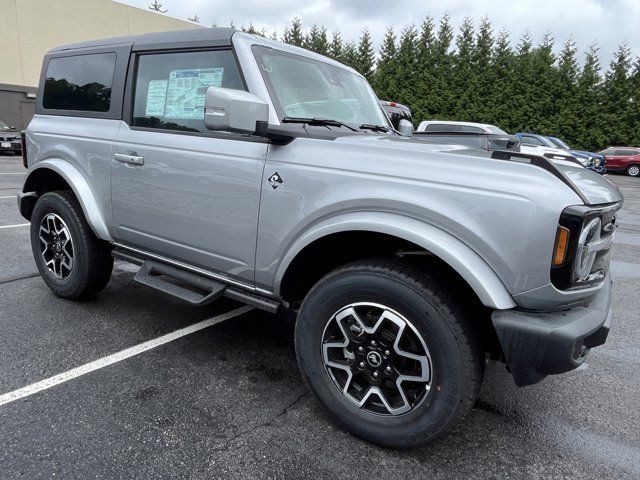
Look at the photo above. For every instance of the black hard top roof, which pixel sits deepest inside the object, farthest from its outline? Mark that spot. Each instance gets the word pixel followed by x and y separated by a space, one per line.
pixel 188 38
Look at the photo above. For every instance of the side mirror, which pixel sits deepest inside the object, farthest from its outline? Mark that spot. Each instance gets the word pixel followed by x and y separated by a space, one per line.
pixel 234 111
pixel 12 127
pixel 405 127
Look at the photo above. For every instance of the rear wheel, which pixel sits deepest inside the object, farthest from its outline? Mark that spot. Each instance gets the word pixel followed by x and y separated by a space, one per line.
pixel 388 353
pixel 73 262
pixel 633 170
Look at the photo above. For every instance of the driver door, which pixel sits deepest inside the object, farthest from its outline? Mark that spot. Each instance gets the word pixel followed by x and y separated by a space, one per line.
pixel 179 190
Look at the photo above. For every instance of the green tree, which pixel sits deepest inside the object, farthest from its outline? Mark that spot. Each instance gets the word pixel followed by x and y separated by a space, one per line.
pixel 588 96
pixel 463 85
pixel 294 35
pixel 442 57
pixel 425 101
pixel 336 46
pixel 569 113
pixel 317 40
pixel 384 80
pixel 366 59
pixel 617 89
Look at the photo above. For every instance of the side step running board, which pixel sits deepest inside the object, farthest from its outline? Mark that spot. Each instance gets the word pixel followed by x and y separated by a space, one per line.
pixel 190 286
pixel 197 290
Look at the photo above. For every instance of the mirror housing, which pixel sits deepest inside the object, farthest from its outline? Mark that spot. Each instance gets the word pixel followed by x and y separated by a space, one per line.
pixel 405 127
pixel 231 110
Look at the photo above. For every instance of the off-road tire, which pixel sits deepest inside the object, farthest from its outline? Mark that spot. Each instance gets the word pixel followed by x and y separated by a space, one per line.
pixel 93 262
pixel 457 360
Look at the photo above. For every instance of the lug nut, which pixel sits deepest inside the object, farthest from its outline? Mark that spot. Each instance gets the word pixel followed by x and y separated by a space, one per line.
pixel 373 343
pixel 387 353
pixel 388 369
pixel 360 349
pixel 375 374
pixel 361 364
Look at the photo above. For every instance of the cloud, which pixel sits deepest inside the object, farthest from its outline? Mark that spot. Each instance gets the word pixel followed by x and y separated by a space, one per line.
pixel 609 22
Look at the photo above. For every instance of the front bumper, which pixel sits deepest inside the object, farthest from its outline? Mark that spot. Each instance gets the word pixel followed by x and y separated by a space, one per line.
pixel 539 344
pixel 11 145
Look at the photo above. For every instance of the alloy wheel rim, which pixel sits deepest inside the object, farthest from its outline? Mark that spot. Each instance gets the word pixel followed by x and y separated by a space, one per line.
pixel 377 359
pixel 56 246
pixel 634 170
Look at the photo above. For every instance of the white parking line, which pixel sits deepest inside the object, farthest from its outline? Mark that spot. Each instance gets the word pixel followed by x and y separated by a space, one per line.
pixel 117 357
pixel 15 226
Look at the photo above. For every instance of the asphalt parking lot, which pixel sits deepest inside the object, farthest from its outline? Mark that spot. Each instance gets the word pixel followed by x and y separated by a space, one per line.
pixel 227 401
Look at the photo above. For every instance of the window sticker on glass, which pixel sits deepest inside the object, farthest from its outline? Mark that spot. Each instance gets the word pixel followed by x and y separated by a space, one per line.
pixel 156 98
pixel 186 90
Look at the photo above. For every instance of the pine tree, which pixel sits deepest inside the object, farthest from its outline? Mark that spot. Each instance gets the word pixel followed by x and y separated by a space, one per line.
pixel 634 118
pixel 366 56
pixel 463 85
pixel 501 96
pixel 483 80
pixel 195 19
pixel 423 106
pixel 317 40
pixel 350 54
pixel 443 99
pixel 569 113
pixel 384 78
pixel 294 35
pixel 336 46
pixel 589 134
pixel 617 88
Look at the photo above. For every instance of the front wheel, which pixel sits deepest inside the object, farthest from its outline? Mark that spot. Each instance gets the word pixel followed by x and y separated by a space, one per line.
pixel 633 170
pixel 73 262
pixel 388 353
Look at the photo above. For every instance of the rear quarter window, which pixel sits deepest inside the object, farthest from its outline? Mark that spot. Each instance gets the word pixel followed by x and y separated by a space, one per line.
pixel 79 82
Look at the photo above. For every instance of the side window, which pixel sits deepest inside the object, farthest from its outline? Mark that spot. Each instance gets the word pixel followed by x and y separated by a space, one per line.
pixel 528 140
pixel 629 153
pixel 80 82
pixel 442 127
pixel 469 129
pixel 170 88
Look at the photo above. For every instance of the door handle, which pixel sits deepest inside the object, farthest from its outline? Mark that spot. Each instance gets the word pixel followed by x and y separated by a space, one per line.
pixel 125 158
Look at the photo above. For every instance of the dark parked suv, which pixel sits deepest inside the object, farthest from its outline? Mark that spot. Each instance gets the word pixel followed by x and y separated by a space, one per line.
pixel 9 139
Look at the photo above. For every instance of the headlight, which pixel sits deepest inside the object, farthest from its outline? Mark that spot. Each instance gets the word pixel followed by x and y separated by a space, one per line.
pixel 585 254
pixel 581 252
pixel 583 161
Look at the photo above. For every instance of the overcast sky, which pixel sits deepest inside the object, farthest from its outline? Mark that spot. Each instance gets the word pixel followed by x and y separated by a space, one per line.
pixel 609 22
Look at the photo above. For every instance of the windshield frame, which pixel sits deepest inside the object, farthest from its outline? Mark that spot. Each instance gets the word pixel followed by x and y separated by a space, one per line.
pixel 258 50
pixel 4 126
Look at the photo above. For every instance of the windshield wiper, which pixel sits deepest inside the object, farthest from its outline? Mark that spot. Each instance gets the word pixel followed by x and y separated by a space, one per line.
pixel 375 128
pixel 322 122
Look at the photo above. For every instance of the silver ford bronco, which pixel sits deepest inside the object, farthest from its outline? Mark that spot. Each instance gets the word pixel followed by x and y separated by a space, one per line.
pixel 228 165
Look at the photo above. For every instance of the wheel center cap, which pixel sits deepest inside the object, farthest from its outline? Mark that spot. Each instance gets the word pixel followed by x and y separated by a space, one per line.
pixel 374 359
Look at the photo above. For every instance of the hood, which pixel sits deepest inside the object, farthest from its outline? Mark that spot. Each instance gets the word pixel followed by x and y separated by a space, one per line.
pixel 9 133
pixel 595 188
pixel 586 154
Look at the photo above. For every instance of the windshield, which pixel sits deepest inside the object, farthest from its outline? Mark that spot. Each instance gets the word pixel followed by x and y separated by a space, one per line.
pixel 493 129
pixel 3 126
pixel 307 88
pixel 559 143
